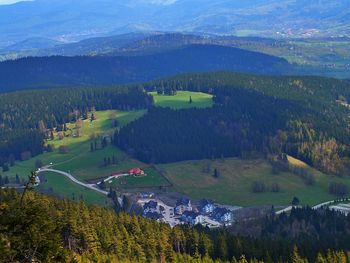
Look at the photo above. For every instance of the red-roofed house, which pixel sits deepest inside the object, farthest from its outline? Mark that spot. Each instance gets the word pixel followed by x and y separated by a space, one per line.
pixel 136 171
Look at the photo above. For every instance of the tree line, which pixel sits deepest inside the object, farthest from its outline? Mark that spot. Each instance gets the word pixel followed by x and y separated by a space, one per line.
pixel 28 117
pixel 45 229
pixel 299 116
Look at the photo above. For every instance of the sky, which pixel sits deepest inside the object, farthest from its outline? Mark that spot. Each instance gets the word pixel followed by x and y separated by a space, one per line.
pixel 6 2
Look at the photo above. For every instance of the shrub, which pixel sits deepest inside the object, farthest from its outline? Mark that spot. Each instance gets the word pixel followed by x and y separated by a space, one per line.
pixel 258 187
pixel 26 155
pixel 275 188
pixel 50 147
pixel 63 149
pixel 38 164
pixel 338 189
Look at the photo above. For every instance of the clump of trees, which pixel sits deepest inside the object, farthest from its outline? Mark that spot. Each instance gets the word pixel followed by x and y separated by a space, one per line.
pixel 275 188
pixel 259 187
pixel 107 161
pixel 216 173
pixel 63 149
pixel 4 180
pixel 31 116
pixel 338 189
pixel 38 163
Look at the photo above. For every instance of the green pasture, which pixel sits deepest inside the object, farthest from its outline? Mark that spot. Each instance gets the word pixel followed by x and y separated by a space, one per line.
pixel 234 185
pixel 182 100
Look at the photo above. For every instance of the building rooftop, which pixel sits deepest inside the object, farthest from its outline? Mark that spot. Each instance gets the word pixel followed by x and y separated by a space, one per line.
pixel 205 202
pixel 150 205
pixel 191 214
pixel 183 201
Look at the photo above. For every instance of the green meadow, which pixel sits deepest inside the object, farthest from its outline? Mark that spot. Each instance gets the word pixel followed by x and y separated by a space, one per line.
pixel 152 179
pixel 182 100
pixel 79 160
pixel 234 185
pixel 58 185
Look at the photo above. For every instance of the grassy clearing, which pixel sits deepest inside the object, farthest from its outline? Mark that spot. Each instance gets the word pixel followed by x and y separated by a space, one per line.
pixel 182 100
pixel 89 165
pixel 151 180
pixel 235 182
pixel 56 184
pixel 79 160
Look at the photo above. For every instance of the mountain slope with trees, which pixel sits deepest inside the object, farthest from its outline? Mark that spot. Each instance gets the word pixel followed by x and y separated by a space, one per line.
pixel 300 116
pixel 39 228
pixel 47 71
pixel 29 117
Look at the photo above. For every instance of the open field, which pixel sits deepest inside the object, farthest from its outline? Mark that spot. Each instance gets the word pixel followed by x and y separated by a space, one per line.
pixel 182 100
pixel 152 179
pixel 234 185
pixel 56 184
pixel 79 160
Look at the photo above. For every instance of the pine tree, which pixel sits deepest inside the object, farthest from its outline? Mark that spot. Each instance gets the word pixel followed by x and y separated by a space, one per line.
pixel 216 173
pixel 18 180
pixel 296 258
pixel 91 147
pixel 6 180
pixel 5 167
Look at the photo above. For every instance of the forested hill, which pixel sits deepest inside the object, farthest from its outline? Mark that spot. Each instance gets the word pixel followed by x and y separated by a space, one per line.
pixel 305 117
pixel 43 229
pixel 47 71
pixel 27 116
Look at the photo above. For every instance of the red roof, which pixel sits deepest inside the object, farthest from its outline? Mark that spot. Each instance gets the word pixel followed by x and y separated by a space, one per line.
pixel 135 171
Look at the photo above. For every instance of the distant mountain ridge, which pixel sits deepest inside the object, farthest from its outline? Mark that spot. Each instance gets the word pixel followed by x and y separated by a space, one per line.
pixel 72 20
pixel 34 72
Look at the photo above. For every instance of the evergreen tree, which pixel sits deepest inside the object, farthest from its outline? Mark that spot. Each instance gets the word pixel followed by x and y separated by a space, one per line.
pixel 18 180
pixel 216 173
pixel 6 180
pixel 91 147
pixel 12 160
pixel 295 201
pixel 5 167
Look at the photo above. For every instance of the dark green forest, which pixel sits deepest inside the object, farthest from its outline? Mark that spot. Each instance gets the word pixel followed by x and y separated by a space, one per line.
pixel 38 228
pixel 111 70
pixel 305 117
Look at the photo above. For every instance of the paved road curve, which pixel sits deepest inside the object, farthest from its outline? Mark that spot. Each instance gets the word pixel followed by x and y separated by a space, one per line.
pixel 73 179
pixel 289 208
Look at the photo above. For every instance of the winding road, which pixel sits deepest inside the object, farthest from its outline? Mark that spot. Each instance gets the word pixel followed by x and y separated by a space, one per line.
pixel 73 179
pixel 289 208
pixel 95 188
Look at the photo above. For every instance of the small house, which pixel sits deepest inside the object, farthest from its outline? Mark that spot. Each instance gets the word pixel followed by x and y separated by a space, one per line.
pixel 206 206
pixel 150 207
pixel 136 171
pixel 192 218
pixel 222 215
pixel 182 205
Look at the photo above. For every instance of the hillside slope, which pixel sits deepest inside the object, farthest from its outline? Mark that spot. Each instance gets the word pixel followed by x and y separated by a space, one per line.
pixel 34 72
